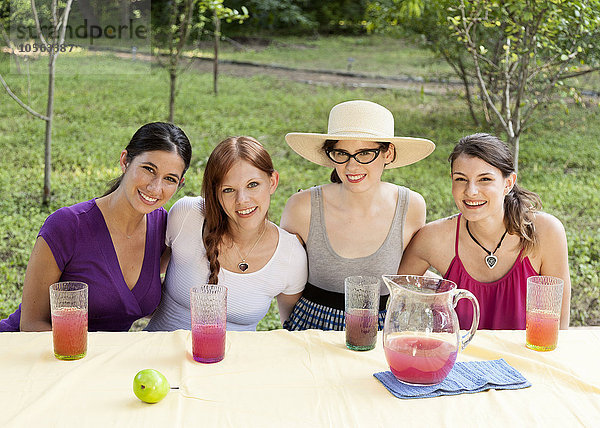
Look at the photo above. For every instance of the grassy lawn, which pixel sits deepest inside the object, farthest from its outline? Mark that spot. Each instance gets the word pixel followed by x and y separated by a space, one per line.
pixel 372 55
pixel 95 115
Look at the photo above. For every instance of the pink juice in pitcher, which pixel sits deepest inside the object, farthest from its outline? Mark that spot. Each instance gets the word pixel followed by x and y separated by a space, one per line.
pixel 69 332
pixel 419 360
pixel 208 342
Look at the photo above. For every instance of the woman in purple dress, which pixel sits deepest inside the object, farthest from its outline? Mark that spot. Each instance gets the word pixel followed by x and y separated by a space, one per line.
pixel 113 243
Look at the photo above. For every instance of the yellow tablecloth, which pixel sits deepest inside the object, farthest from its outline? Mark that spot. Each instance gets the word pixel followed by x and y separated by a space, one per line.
pixel 290 379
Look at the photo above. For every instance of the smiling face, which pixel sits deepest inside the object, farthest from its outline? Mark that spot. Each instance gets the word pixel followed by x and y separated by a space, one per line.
pixel 357 176
pixel 245 195
pixel 479 188
pixel 151 178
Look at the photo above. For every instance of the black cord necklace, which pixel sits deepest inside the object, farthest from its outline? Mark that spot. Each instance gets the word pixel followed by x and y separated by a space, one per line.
pixel 490 259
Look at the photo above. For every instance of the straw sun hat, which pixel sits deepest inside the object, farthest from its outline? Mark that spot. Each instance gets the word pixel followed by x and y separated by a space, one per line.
pixel 361 121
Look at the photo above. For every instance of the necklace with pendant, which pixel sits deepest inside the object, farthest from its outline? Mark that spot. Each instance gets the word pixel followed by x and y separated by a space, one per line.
pixel 490 260
pixel 243 265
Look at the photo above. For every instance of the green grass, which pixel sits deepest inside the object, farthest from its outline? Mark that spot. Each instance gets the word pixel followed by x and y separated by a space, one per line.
pixel 95 115
pixel 374 55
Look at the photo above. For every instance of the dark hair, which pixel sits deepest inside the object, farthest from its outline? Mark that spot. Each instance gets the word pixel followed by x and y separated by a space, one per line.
pixel 222 158
pixel 156 136
pixel 519 203
pixel 330 144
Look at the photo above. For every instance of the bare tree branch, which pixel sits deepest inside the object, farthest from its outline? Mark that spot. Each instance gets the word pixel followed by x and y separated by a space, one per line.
pixel 579 73
pixel 37 23
pixel 21 103
pixel 507 80
pixel 482 84
pixel 62 25
pixel 11 46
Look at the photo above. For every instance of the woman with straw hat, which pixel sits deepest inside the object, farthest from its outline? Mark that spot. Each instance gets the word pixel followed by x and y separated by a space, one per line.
pixel 358 224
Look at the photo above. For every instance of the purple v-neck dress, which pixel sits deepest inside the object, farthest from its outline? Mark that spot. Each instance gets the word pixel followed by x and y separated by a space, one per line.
pixel 82 247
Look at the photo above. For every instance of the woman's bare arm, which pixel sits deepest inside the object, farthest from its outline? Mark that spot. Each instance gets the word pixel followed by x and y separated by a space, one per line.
pixel 42 271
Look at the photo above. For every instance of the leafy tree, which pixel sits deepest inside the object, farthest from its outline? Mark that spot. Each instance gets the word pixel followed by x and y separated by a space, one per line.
pixel 336 15
pixel 185 17
pixel 518 53
pixel 5 17
pixel 219 12
pixel 173 36
pixel 522 52
pixel 269 15
pixel 54 37
pixel 429 20
pixel 304 16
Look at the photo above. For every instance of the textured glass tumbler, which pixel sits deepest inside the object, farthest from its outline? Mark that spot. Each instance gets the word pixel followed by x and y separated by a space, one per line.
pixel 544 299
pixel 69 311
pixel 208 304
pixel 362 311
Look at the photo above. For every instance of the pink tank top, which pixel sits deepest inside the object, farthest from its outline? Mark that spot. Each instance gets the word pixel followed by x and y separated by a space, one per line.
pixel 501 303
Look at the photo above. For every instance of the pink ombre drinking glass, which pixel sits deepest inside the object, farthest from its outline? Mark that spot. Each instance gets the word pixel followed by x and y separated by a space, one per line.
pixel 208 304
pixel 544 299
pixel 362 312
pixel 69 311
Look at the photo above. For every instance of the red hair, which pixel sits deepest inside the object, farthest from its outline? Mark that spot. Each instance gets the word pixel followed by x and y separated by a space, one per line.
pixel 222 158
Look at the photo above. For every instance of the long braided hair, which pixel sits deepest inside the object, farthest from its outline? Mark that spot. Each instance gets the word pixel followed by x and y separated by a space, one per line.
pixel 223 157
pixel 519 204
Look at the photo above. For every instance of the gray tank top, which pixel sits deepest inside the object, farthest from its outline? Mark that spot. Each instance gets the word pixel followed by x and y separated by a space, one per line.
pixel 327 269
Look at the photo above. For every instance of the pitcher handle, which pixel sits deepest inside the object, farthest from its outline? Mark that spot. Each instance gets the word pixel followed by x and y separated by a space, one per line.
pixel 459 294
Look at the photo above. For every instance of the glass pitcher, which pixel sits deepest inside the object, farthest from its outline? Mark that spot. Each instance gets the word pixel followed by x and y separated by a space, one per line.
pixel 421 334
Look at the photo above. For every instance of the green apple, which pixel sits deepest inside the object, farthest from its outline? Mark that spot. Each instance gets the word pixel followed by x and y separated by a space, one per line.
pixel 150 385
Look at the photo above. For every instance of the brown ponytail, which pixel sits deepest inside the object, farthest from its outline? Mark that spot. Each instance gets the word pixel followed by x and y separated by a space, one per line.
pixel 519 208
pixel 520 204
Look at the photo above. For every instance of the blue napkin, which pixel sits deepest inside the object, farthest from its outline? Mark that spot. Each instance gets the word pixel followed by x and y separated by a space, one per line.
pixel 464 378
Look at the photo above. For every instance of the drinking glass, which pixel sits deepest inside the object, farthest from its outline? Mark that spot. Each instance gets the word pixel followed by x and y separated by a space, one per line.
pixel 208 304
pixel 544 299
pixel 362 310
pixel 69 311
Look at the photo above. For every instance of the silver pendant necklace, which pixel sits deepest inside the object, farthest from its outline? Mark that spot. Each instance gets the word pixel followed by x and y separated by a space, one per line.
pixel 490 260
pixel 243 265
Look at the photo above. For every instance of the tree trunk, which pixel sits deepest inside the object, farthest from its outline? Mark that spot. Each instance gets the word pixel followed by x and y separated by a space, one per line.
pixel 11 46
pixel 17 62
pixel 48 136
pixel 173 79
pixel 513 143
pixel 216 60
pixel 465 80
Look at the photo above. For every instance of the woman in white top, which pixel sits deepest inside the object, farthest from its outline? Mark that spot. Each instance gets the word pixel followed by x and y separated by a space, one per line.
pixel 225 237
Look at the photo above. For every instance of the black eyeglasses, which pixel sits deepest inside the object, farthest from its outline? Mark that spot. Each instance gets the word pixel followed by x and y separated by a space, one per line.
pixel 363 157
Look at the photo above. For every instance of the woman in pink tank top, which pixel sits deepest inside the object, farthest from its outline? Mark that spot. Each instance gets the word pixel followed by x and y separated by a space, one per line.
pixel 498 240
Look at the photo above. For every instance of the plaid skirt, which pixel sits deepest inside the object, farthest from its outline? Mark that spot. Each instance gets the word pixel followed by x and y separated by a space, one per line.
pixel 307 314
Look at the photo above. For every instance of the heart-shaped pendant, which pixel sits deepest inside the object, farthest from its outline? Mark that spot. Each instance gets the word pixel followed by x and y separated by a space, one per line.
pixel 491 261
pixel 243 266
